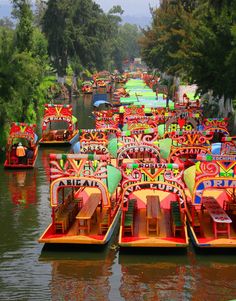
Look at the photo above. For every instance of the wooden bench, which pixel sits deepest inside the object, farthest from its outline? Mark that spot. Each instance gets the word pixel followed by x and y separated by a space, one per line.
pixel 61 219
pixel 177 223
pixel 105 221
pixel 65 215
pixel 194 217
pixel 229 207
pixel 61 223
pixel 129 217
pixel 129 225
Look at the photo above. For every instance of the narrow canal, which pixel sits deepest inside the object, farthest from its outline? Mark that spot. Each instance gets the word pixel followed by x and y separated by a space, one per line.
pixel 30 272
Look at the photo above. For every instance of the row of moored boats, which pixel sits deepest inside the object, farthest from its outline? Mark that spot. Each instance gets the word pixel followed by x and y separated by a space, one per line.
pixel 155 170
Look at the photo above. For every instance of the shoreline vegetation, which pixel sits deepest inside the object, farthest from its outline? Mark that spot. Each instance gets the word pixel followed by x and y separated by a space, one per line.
pixel 43 56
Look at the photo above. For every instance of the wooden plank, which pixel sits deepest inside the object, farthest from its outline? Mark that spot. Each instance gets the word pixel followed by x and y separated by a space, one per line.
pixel 153 206
pixel 88 209
pixel 153 213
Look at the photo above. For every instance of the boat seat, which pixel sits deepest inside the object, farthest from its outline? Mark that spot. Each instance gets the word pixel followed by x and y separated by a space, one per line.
pixel 129 225
pixel 105 222
pixel 177 223
pixel 61 224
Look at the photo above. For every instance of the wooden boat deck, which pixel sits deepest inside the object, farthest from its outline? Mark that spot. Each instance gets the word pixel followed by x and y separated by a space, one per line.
pixel 82 237
pixel 56 137
pixel 141 238
pixel 204 233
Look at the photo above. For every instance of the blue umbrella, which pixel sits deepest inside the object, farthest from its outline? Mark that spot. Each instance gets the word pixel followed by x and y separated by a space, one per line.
pixel 101 102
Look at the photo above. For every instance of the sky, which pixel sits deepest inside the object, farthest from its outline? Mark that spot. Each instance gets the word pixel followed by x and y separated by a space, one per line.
pixel 136 11
pixel 131 7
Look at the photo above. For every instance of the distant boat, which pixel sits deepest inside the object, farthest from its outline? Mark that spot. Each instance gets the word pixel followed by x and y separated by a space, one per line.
pixel 22 146
pixel 57 115
pixel 87 87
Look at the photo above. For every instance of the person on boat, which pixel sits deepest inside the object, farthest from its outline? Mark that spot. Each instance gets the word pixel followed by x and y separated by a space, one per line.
pixel 184 98
pixel 21 152
pixel 29 153
pixel 66 134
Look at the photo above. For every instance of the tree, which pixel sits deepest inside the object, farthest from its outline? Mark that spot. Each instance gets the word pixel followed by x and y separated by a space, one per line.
pixel 40 9
pixel 195 39
pixel 24 29
pixel 55 27
pixel 130 34
pixel 76 31
pixel 162 40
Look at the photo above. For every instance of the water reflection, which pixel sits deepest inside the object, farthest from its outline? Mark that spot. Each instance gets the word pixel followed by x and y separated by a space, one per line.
pixel 191 277
pixel 154 277
pixel 214 276
pixel 80 275
pixel 87 275
pixel 22 186
pixel 83 109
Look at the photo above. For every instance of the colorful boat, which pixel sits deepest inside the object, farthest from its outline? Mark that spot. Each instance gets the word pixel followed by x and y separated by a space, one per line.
pixel 140 145
pixel 211 201
pixel 106 119
pixel 153 203
pixel 101 82
pixel 217 125
pixel 87 87
pixel 58 116
pixel 187 145
pixel 85 202
pixel 22 147
pixel 96 140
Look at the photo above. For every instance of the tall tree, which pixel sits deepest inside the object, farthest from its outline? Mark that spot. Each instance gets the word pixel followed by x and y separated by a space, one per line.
pixel 76 31
pixel 24 29
pixel 55 27
pixel 196 38
pixel 40 9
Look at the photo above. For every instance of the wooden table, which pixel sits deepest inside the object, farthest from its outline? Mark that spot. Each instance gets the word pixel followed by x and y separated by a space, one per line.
pixel 218 216
pixel 85 214
pixel 153 213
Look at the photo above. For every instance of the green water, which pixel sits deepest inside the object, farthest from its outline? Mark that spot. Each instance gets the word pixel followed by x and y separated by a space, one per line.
pixel 30 272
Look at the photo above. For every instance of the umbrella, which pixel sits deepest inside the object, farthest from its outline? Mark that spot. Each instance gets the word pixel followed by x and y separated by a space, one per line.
pixel 101 102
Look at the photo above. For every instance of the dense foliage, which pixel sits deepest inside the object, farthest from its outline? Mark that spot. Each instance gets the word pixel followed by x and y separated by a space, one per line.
pixel 195 40
pixel 59 37
pixel 23 55
pixel 79 33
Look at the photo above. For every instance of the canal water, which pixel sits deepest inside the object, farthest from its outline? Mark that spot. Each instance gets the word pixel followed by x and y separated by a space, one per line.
pixel 29 271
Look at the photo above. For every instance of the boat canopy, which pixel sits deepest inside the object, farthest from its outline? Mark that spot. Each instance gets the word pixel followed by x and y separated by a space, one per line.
pixel 83 170
pixel 210 172
pixel 23 130
pixel 56 112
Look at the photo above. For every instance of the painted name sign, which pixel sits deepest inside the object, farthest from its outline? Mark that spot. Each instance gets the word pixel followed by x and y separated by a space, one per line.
pixel 216 183
pixel 154 186
pixel 76 182
pixel 209 157
pixel 53 118
pixel 190 151
pixel 135 149
pixel 94 148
